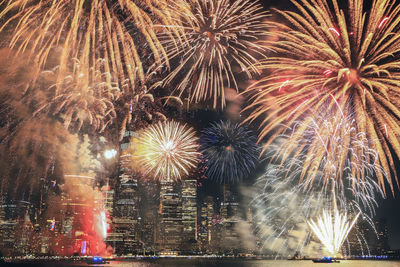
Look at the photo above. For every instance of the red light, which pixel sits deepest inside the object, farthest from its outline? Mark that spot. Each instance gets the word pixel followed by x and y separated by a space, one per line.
pixel 327 72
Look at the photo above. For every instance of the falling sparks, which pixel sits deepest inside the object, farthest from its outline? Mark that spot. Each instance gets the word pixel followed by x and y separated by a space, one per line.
pixel 92 32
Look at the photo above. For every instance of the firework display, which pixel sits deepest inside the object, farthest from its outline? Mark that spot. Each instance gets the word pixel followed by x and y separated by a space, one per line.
pixel 341 55
pixel 95 33
pixel 222 39
pixel 229 150
pixel 91 48
pixel 79 102
pixel 328 143
pixel 312 167
pixel 101 100
pixel 283 206
pixel 167 150
pixel 332 229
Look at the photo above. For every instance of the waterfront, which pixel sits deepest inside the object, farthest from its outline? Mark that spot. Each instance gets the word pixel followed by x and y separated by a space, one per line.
pixel 247 263
pixel 224 263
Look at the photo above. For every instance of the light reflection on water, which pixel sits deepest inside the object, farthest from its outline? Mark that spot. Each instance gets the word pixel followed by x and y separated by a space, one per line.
pixel 246 263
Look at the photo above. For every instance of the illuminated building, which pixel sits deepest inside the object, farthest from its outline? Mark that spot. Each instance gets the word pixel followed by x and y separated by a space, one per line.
pixel 8 226
pixel 148 212
pixel 358 242
pixel 205 224
pixel 189 214
pixel 81 210
pixel 108 197
pixel 380 244
pixel 15 227
pixel 230 216
pixel 217 228
pixel 170 216
pixel 123 236
pixel 24 232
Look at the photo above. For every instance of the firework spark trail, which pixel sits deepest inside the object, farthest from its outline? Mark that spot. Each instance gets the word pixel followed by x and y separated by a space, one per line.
pixel 283 206
pixel 88 31
pixel 329 145
pixel 229 150
pixel 166 150
pixel 98 52
pixel 324 51
pixel 332 229
pixel 330 148
pixel 219 36
pixel 75 104
pixel 306 164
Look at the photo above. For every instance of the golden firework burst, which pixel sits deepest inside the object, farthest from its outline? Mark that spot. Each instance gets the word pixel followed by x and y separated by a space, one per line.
pixel 346 57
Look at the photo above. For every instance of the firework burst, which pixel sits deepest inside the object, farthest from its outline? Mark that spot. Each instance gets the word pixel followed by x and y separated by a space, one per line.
pixel 167 150
pixel 332 228
pixel 221 39
pixel 79 100
pixel 230 152
pixel 92 32
pixel 319 161
pixel 329 145
pixel 283 207
pixel 342 56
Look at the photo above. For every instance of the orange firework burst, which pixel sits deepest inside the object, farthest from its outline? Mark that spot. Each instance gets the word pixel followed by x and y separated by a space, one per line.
pixel 221 39
pixel 79 99
pixel 98 48
pixel 88 31
pixel 346 57
pixel 166 150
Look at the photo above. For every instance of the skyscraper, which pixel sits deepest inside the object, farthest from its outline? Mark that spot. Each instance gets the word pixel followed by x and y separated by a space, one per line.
pixel 189 214
pixel 205 224
pixel 170 216
pixel 123 235
pixel 148 215
pixel 382 235
pixel 124 229
pixel 230 217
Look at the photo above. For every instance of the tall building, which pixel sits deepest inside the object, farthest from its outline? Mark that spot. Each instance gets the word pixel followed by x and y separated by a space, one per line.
pixel 359 240
pixel 24 234
pixel 108 197
pixel 123 235
pixel 148 215
pixel 170 215
pixel 189 214
pixel 205 224
pixel 381 244
pixel 71 228
pixel 229 211
pixel 8 226
pixel 217 235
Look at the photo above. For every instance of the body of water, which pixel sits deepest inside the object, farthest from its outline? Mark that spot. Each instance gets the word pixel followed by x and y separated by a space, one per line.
pixel 224 263
pixel 246 263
